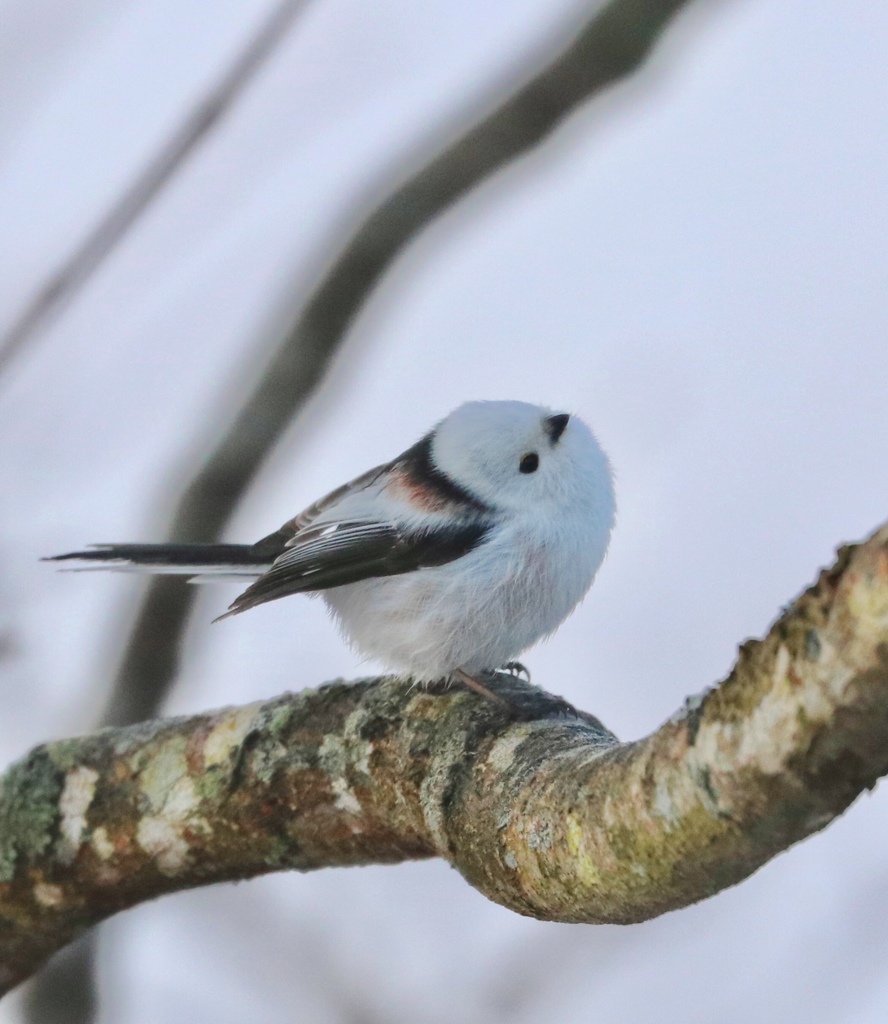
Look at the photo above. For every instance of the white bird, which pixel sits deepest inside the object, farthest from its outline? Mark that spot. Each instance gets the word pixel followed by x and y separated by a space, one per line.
pixel 450 560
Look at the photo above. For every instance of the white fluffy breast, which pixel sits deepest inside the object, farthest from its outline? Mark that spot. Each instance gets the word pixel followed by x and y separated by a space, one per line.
pixel 482 610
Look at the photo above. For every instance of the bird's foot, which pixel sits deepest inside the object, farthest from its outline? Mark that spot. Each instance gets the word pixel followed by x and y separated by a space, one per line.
pixel 521 700
pixel 516 669
pixel 474 684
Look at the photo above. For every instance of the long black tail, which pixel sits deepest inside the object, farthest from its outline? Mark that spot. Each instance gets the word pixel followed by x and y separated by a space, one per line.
pixel 217 560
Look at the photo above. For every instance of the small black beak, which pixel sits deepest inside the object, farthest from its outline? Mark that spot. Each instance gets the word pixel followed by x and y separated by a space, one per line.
pixel 555 425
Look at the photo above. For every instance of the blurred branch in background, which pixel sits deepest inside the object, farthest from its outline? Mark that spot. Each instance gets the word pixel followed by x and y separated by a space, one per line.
pixel 612 45
pixel 65 992
pixel 78 268
pixel 545 813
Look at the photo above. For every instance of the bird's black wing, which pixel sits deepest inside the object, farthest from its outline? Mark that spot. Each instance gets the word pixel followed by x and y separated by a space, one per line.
pixel 328 555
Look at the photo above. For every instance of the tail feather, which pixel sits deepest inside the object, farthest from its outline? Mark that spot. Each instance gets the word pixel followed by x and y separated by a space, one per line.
pixel 218 560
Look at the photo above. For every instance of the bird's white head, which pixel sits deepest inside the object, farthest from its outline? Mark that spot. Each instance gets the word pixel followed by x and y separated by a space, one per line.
pixel 518 457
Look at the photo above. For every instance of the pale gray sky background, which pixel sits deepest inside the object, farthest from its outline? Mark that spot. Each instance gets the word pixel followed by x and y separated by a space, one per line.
pixel 696 264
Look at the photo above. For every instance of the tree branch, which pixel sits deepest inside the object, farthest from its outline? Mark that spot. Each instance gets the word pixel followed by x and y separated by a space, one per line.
pixel 544 812
pixel 611 45
pixel 79 266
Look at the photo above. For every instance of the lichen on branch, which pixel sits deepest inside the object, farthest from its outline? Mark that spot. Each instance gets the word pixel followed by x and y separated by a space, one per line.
pixel 538 806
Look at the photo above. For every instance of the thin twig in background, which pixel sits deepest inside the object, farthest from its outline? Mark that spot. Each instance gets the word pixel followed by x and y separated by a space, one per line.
pixel 611 46
pixel 78 268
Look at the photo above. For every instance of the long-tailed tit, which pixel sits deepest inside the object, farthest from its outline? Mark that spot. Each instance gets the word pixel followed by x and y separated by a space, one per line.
pixel 450 560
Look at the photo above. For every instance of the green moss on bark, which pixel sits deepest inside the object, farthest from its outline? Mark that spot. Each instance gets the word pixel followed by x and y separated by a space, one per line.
pixel 29 809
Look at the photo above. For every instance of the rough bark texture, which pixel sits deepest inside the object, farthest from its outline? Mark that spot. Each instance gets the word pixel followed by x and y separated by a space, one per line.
pixel 540 808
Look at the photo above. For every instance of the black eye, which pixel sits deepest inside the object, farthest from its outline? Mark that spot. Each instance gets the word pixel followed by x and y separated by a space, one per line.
pixel 529 463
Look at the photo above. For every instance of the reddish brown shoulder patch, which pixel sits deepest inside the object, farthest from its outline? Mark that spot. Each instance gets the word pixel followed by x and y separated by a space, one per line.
pixel 417 493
